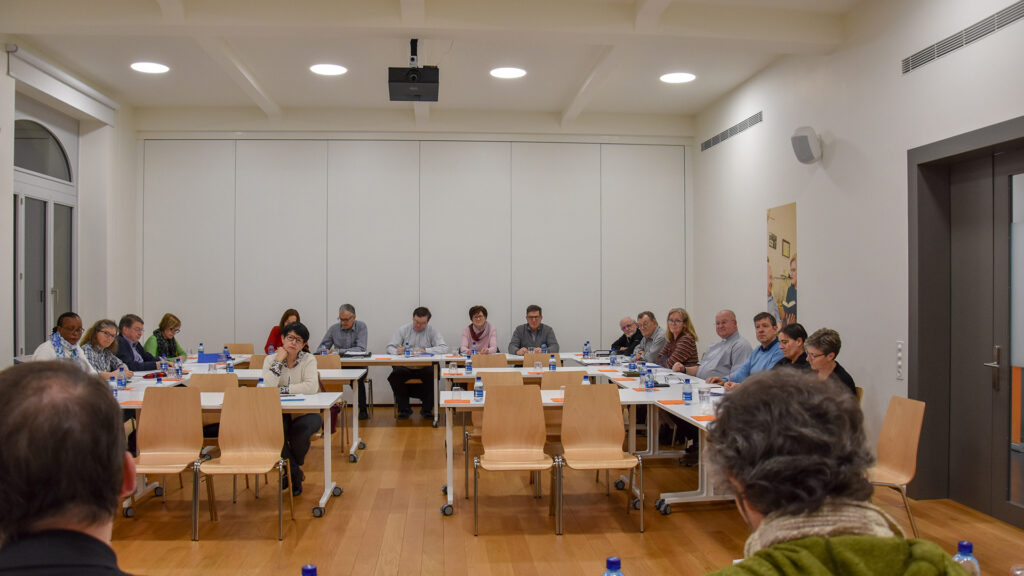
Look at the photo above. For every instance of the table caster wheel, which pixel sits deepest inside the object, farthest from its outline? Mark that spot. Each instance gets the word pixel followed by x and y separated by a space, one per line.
pixel 158 491
pixel 666 509
pixel 362 445
pixel 659 503
pixel 337 491
pixel 128 512
pixel 318 512
pixel 434 423
pixel 620 484
pixel 447 510
pixel 444 489
pixel 353 457
pixel 636 503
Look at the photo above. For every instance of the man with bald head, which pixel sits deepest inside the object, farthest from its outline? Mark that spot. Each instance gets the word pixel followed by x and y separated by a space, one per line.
pixel 722 357
pixel 629 339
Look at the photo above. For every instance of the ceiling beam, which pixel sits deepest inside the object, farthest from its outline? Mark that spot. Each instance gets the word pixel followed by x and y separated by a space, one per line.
pixel 598 74
pixel 414 12
pixel 221 53
pixel 173 11
pixel 648 12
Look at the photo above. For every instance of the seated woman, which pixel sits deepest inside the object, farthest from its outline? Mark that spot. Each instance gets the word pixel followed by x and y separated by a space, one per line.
pixel 100 347
pixel 799 475
pixel 163 343
pixel 822 348
pixel 791 342
pixel 479 332
pixel 274 342
pixel 63 342
pixel 293 370
pixel 680 348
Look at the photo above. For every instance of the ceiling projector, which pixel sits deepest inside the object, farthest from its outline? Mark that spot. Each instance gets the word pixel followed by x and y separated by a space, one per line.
pixel 413 84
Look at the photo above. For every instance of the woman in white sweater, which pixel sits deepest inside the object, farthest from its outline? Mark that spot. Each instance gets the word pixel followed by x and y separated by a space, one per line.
pixel 293 370
pixel 63 343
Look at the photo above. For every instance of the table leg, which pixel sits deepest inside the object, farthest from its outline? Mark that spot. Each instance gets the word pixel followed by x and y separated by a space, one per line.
pixel 330 488
pixel 357 442
pixel 449 455
pixel 705 488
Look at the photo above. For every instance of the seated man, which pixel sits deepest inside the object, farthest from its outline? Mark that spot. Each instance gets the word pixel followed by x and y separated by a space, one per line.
pixel 653 337
pixel 799 474
pixel 725 355
pixel 764 357
pixel 420 337
pixel 629 339
pixel 63 470
pixel 349 335
pixel 533 336
pixel 129 350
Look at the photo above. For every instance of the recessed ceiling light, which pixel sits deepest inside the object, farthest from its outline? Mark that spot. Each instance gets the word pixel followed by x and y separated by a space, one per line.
pixel 149 67
pixel 508 72
pixel 328 69
pixel 677 78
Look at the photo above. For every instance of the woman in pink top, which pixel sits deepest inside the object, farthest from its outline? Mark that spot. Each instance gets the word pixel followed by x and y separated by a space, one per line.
pixel 480 332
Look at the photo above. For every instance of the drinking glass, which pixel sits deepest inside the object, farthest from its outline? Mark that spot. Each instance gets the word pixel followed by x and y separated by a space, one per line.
pixel 538 366
pixel 704 399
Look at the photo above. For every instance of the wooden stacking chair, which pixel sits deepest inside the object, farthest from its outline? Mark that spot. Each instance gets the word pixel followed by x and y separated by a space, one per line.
pixel 489 380
pixel 513 439
pixel 592 435
pixel 212 383
pixel 553 415
pixel 896 458
pixel 860 394
pixel 240 347
pixel 489 361
pixel 170 435
pixel 256 361
pixel 251 437
pixel 532 357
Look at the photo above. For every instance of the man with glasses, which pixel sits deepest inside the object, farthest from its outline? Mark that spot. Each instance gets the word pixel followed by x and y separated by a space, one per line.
pixel 129 350
pixel 420 338
pixel 726 354
pixel 349 336
pixel 764 357
pixel 653 339
pixel 629 339
pixel 533 336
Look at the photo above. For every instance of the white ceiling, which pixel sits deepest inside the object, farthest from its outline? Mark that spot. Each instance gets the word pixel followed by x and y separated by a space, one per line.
pixel 581 56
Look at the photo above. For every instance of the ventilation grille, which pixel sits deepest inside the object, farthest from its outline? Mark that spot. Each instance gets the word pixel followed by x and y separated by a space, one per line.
pixel 732 131
pixel 973 33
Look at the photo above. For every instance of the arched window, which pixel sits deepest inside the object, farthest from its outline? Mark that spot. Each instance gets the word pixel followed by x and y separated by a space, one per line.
pixel 38 150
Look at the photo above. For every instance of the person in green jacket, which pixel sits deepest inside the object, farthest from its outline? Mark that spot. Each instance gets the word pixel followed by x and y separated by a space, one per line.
pixel 793 449
pixel 163 343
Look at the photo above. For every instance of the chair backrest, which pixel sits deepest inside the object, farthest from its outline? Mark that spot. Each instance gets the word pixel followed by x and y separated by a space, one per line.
pixel 901 432
pixel 171 421
pixel 256 362
pixel 555 380
pixel 214 382
pixel 532 357
pixel 592 418
pixel 513 419
pixel 250 421
pixel 501 379
pixel 489 361
pixel 240 347
pixel 860 394
pixel 328 362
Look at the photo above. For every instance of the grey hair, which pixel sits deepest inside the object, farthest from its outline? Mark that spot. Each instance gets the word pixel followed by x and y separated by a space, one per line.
pixel 825 339
pixel 791 441
pixel 347 308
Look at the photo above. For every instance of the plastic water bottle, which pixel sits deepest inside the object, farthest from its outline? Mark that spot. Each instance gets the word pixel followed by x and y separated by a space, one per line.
pixel 632 365
pixel 543 347
pixel 552 363
pixel 122 378
pixel 113 385
pixel 586 380
pixel 309 570
pixel 159 381
pixel 474 348
pixel 965 558
pixel 200 348
pixel 687 391
pixel 227 354
pixel 469 364
pixel 260 384
pixel 178 372
pixel 612 566
pixel 649 380
pixel 270 349
pixel 478 390
pixel 323 349
pixel 229 367
pixel 408 352
pixel 613 360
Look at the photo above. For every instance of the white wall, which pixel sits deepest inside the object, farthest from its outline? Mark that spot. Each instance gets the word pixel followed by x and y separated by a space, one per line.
pixel 852 207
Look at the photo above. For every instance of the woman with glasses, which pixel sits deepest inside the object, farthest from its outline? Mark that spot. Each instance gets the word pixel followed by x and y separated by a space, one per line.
pixel 293 370
pixel 680 348
pixel 63 342
pixel 479 333
pixel 163 344
pixel 100 347
pixel 822 347
pixel 274 342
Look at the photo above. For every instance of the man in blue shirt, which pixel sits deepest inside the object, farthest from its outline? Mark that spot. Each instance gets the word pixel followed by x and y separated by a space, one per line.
pixel 764 357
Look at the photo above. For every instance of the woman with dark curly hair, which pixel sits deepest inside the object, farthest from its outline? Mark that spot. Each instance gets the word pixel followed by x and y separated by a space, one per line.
pixel 794 450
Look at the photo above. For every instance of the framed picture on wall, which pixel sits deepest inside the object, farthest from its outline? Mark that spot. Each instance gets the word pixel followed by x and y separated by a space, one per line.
pixel 772 239
pixel 785 248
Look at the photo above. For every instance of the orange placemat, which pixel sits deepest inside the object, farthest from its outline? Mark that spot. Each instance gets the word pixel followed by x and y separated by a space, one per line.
pixel 132 403
pixel 456 401
pixel 171 380
pixel 671 402
pixel 606 370
pixel 455 374
pixel 534 372
pixel 558 399
pixel 624 379
pixel 703 418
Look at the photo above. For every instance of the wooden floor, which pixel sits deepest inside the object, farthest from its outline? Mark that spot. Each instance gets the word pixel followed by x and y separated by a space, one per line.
pixel 388 521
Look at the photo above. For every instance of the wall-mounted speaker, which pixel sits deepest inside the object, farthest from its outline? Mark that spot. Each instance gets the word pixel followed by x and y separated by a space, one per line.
pixel 806 145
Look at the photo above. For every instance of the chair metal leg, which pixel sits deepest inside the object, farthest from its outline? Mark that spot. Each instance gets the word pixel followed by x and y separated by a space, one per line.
pixel 291 496
pixel 369 392
pixel 234 488
pixel 181 484
pixel 536 487
pixel 640 472
pixel 163 493
pixel 256 490
pixel 465 448
pixel 195 501
pixel 246 481
pixel 476 498
pixel 559 463
pixel 906 504
pixel 212 497
pixel 280 501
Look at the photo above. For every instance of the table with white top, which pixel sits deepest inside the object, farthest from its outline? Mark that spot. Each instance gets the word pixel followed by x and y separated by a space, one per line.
pixel 296 404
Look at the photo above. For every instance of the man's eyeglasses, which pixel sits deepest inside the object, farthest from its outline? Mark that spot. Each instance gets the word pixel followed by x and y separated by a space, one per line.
pixel 627 327
pixel 528 317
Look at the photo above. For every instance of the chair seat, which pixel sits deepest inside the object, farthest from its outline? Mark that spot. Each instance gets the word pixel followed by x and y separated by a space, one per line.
pixel 164 463
pixel 251 463
pixel 516 460
pixel 584 459
pixel 885 475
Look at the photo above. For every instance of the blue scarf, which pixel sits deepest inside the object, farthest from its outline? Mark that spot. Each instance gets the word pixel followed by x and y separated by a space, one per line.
pixel 58 346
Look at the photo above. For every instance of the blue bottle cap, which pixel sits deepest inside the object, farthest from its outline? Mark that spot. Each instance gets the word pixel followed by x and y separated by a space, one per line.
pixel 965 547
pixel 309 570
pixel 613 563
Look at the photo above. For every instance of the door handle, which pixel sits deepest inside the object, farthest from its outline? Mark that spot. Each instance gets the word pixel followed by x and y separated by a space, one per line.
pixel 994 364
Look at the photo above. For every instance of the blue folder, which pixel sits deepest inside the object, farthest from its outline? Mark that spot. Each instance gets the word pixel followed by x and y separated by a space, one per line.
pixel 208 358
